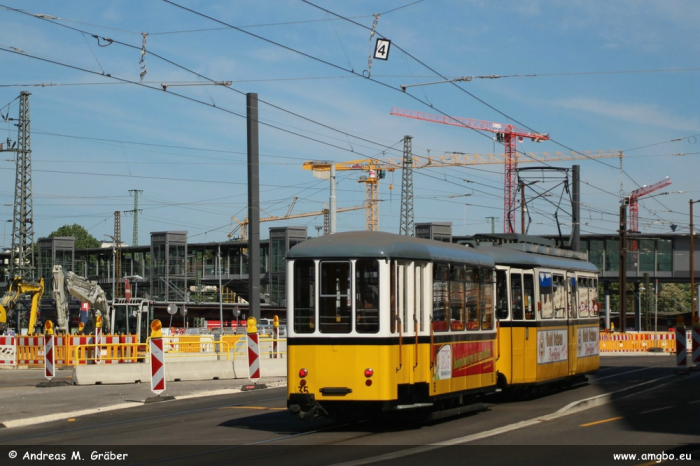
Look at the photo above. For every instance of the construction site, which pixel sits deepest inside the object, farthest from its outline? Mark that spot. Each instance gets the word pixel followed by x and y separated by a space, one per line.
pixel 207 285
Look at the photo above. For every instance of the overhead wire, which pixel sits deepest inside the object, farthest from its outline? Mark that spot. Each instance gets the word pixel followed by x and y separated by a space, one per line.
pixel 328 63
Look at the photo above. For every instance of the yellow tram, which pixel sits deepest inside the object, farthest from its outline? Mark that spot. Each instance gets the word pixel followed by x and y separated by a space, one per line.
pixel 382 322
pixel 547 309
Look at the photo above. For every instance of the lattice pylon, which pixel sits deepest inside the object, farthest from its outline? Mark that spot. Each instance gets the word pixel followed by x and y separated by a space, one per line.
pixel 407 223
pixel 22 259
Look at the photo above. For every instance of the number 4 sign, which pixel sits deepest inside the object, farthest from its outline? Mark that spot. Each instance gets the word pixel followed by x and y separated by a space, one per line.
pixel 381 49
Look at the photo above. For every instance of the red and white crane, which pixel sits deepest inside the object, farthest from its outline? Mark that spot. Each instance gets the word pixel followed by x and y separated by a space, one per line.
pixel 636 194
pixel 507 134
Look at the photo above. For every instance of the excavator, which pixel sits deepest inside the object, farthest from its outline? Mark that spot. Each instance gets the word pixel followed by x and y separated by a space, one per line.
pixel 9 310
pixel 85 290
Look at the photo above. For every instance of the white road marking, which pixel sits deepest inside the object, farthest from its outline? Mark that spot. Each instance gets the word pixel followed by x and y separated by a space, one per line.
pixel 657 409
pixel 571 408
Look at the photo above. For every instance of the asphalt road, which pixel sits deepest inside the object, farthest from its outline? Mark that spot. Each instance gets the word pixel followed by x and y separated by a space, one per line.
pixel 632 405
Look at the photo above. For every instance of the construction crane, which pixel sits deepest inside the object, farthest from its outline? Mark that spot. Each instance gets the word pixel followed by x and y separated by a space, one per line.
pixel 636 194
pixel 376 170
pixel 322 167
pixel 505 133
pixel 243 225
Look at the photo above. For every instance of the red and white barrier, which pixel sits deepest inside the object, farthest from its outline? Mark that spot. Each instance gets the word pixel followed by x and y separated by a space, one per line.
pixel 109 357
pixel 128 352
pixel 49 357
pixel 98 348
pixel 275 338
pixel 32 350
pixel 681 348
pixel 75 342
pixel 253 357
pixel 157 366
pixel 696 345
pixel 8 351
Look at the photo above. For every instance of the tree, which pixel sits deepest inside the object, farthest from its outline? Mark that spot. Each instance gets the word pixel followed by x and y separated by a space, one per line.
pixel 83 239
pixel 674 297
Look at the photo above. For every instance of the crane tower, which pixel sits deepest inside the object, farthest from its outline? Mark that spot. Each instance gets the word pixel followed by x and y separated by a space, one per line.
pixel 636 194
pixel 505 133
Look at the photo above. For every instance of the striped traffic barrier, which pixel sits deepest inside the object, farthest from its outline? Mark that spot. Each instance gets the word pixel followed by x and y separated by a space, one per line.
pixel 8 351
pixel 157 366
pixel 49 356
pixel 253 350
pixel 681 348
pixel 98 342
pixel 157 358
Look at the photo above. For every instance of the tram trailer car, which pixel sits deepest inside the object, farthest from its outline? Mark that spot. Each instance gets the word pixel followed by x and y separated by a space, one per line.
pixel 382 322
pixel 547 309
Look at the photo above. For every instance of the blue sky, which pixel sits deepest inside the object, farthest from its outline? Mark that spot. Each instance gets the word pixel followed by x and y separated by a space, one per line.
pixel 594 75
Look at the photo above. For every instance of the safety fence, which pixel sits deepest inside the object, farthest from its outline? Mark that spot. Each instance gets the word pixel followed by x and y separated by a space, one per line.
pixel 639 342
pixel 120 349
pixel 69 350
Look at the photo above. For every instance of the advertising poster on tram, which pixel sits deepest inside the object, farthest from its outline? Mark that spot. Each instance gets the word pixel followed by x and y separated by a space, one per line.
pixel 587 342
pixel 552 346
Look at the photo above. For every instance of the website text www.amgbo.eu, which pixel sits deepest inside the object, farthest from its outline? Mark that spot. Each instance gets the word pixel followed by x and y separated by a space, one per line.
pixel 657 457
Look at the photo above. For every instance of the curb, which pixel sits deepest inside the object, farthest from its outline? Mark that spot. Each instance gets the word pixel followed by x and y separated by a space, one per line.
pixel 84 412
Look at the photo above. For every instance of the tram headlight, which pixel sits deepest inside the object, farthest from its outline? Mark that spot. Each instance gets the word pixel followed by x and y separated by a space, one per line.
pixel 369 372
pixel 303 373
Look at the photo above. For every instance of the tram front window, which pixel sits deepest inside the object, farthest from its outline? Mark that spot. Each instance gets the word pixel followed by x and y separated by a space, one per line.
pixel 334 298
pixel 304 277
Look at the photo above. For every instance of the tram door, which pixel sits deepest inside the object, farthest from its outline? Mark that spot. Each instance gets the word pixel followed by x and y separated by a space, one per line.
pixel 517 331
pixel 404 321
pixel 523 330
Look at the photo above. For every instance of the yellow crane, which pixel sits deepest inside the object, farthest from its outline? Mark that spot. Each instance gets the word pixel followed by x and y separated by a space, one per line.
pixel 243 225
pixel 376 167
pixel 375 171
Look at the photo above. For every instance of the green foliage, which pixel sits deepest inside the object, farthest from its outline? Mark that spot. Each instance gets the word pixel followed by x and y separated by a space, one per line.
pixel 674 297
pixel 83 239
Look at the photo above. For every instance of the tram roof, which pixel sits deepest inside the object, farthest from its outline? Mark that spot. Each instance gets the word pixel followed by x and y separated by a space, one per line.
pixel 504 255
pixel 375 244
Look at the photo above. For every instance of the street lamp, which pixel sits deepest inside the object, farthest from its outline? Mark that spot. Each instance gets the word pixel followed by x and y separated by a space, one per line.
pixel 692 262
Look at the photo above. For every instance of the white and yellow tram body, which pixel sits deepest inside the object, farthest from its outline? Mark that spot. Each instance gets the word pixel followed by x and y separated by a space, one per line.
pixel 389 322
pixel 547 309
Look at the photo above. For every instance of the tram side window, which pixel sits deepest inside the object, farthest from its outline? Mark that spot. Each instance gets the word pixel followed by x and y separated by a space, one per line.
pixel 583 297
pixel 486 299
pixel 304 316
pixel 367 299
pixel 440 298
pixel 559 285
pixel 546 300
pixel 501 295
pixel 529 296
pixel 472 300
pixel 457 297
pixel 516 288
pixel 334 298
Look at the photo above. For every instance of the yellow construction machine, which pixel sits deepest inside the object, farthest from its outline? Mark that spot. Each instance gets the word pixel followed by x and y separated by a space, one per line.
pixel 9 310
